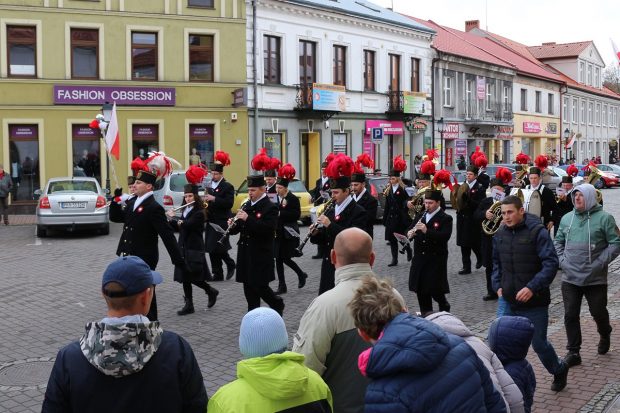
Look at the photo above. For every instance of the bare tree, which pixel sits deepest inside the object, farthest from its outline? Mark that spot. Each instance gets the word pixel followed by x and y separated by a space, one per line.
pixel 611 78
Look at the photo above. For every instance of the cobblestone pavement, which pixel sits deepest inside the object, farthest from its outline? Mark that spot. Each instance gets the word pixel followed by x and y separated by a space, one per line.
pixel 49 289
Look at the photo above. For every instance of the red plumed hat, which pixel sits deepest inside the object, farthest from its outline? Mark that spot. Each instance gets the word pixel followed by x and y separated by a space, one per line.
pixel 196 173
pixel 330 157
pixel 504 175
pixel 365 161
pixel 523 159
pixel 274 163
pixel 481 161
pixel 431 154
pixel 138 165
pixel 572 170
pixel 340 165
pixel 541 162
pixel 476 154
pixel 427 168
pixel 400 165
pixel 287 172
pixel 160 164
pixel 442 177
pixel 222 158
pixel 261 161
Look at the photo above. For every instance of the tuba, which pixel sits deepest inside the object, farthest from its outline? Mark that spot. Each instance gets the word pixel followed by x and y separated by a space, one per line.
pixel 418 202
pixel 490 226
pixel 457 196
pixel 592 178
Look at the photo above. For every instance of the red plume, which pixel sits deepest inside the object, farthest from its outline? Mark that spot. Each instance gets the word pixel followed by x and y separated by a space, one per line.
pixel 541 161
pixel 443 177
pixel 138 165
pixel 261 161
pixel 431 154
pixel 572 170
pixel 287 172
pixel 196 173
pixel 400 164
pixel 523 159
pixel 504 175
pixel 481 161
pixel 428 168
pixel 341 165
pixel 476 154
pixel 365 161
pixel 330 157
pixel 222 157
pixel 589 166
pixel 160 164
pixel 94 124
pixel 274 163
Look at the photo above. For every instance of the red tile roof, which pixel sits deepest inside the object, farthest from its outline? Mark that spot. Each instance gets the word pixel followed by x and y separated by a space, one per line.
pixel 590 89
pixel 556 50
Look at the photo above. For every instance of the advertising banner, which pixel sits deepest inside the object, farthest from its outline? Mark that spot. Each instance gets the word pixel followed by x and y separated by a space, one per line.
pixel 480 87
pixel 461 147
pixel 84 131
pixel 329 97
pixel 531 127
pixel 451 131
pixel 145 131
pixel 125 95
pixel 23 131
pixel 414 102
pixel 389 127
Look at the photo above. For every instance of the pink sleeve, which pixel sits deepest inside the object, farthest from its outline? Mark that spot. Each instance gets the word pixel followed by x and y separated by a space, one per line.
pixel 362 360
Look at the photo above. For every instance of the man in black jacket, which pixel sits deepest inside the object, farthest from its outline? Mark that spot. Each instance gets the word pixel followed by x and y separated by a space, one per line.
pixel 144 220
pixel 547 197
pixel 395 215
pixel 220 197
pixel 564 202
pixel 362 196
pixel 320 194
pixel 467 228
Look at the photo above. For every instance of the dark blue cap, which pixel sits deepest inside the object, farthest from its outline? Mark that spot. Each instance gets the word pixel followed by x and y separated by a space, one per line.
pixel 132 273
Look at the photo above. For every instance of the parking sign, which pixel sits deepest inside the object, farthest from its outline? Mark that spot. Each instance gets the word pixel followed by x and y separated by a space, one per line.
pixel 377 135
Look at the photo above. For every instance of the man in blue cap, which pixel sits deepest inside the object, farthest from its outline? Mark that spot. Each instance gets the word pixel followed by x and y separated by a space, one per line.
pixel 125 353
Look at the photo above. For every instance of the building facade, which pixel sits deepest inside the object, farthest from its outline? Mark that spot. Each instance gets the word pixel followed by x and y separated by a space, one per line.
pixel 170 66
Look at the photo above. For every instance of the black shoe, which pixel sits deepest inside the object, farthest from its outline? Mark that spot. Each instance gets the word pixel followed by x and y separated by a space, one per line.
pixel 212 293
pixel 279 308
pixel 560 379
pixel 281 289
pixel 394 263
pixel 572 359
pixel 188 308
pixel 302 280
pixel 489 297
pixel 478 265
pixel 317 257
pixel 409 254
pixel 230 272
pixel 604 344
pixel 465 271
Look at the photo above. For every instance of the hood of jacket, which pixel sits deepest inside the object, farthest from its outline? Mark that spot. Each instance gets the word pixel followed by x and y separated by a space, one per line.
pixel 450 323
pixel 278 376
pixel 589 194
pixel 120 350
pixel 510 337
pixel 408 345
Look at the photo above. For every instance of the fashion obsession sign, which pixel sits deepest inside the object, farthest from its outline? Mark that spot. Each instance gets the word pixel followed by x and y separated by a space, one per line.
pixel 126 96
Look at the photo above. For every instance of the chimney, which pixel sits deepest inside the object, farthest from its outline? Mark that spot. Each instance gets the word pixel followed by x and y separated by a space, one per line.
pixel 472 24
pixel 549 44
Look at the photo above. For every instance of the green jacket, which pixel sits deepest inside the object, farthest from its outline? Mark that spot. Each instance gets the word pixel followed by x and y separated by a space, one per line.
pixel 587 241
pixel 271 384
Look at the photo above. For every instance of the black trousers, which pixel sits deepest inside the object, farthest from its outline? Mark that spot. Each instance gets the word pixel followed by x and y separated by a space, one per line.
pixel 216 263
pixel 280 261
pixel 254 293
pixel 466 255
pixel 596 295
pixel 187 288
pixel 152 314
pixel 488 272
pixel 4 208
pixel 328 277
pixel 426 302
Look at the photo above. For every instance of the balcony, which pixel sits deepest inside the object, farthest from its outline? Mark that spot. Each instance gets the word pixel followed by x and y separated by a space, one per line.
pixel 303 100
pixel 480 111
pixel 324 100
pixel 395 102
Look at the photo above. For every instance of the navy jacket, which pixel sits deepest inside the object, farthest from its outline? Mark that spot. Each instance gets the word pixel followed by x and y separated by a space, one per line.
pixel 418 367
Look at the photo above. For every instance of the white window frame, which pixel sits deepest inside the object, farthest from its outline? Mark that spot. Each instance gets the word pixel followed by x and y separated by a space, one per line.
pixel 489 96
pixel 597 114
pixel 216 52
pixel 604 115
pixel 582 113
pixel 538 102
pixel 565 110
pixel 597 77
pixel 447 91
pixel 160 50
pixel 523 102
pixel 575 111
pixel 469 96
pixel 582 69
pixel 589 75
pixel 4 69
pixel 590 113
pixel 506 98
pixel 550 103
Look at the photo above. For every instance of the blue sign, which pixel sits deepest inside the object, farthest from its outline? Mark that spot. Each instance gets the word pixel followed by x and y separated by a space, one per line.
pixel 377 135
pixel 329 97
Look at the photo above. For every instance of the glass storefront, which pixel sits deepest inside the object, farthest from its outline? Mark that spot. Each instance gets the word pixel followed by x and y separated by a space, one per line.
pixel 86 154
pixel 201 144
pixel 24 161
pixel 145 139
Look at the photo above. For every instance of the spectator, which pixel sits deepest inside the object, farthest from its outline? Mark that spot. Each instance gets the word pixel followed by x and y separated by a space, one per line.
pixel 510 338
pixel 502 381
pixel 125 362
pixel 6 184
pixel 414 365
pixel 270 379
pixel 327 335
pixel 461 164
pixel 586 243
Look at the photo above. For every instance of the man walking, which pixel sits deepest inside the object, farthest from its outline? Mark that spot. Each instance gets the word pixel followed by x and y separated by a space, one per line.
pixel 363 198
pixel 586 243
pixel 467 227
pixel 6 184
pixel 320 194
pixel 524 265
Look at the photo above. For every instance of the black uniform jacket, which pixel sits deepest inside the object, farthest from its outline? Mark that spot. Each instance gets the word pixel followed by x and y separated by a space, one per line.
pixel 429 268
pixel 316 192
pixel 141 229
pixel 486 241
pixel 255 245
pixel 396 215
pixel 484 180
pixel 191 238
pixel 289 212
pixel 352 216
pixel 218 213
pixel 369 203
pixel 468 228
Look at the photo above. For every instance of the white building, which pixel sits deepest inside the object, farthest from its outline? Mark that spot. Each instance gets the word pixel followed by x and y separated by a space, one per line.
pixel 327 72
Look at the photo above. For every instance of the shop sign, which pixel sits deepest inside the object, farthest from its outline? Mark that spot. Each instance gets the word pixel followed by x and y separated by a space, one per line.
pixel 480 87
pixel 414 102
pixel 329 97
pixel 475 132
pixel 416 125
pixel 504 132
pixel 200 131
pixel 240 97
pixel 389 127
pixel 23 131
pixel 552 128
pixel 531 127
pixel 449 156
pixel 145 131
pixel 461 147
pixel 450 131
pixel 84 131
pixel 124 96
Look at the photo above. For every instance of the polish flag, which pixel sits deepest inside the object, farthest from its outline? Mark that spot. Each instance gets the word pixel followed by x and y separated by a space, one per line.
pixel 571 142
pixel 616 51
pixel 112 139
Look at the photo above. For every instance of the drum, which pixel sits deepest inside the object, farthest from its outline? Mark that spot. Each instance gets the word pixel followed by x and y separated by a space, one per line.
pixel 532 202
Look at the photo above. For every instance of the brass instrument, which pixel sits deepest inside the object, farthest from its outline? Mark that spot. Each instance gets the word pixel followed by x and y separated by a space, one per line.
pixel 329 205
pixel 233 224
pixel 457 196
pixel 490 226
pixel 595 175
pixel 520 175
pixel 418 202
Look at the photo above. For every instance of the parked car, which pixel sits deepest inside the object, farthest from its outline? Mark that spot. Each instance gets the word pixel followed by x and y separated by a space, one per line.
pixel 71 203
pixel 168 192
pixel 607 179
pixel 376 185
pixel 610 168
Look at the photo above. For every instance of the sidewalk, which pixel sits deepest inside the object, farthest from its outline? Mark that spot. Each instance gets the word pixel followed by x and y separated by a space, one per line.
pixel 21 220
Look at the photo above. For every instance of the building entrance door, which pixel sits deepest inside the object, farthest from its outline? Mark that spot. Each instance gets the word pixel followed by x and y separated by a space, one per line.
pixel 310 158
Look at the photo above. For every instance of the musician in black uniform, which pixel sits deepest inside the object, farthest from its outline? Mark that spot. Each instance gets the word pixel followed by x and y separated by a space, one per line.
pixel 483 178
pixel 564 202
pixel 320 195
pixel 344 213
pixel 395 215
pixel 144 220
pixel 270 181
pixel 256 224
pixel 428 276
pixel 362 196
pixel 547 197
pixel 467 227
pixel 220 197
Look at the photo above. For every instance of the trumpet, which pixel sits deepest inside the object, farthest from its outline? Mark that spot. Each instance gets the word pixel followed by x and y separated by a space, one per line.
pixel 233 224
pixel 490 226
pixel 329 205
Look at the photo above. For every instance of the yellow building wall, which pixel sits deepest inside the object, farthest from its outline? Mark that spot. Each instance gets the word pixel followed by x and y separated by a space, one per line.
pixel 540 140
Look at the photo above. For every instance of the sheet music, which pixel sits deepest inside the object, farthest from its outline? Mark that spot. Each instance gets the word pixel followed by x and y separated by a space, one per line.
pixel 292 231
pixel 217 228
pixel 401 238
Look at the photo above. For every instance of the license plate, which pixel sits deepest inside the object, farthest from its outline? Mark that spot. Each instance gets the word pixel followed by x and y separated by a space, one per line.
pixel 72 205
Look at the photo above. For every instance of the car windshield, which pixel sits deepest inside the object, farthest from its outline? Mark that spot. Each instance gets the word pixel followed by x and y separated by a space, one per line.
pixel 72 186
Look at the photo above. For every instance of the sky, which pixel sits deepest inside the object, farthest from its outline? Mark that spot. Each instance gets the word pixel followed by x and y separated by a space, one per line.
pixel 530 22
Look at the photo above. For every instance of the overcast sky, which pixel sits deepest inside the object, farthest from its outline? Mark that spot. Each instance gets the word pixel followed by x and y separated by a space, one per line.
pixel 530 22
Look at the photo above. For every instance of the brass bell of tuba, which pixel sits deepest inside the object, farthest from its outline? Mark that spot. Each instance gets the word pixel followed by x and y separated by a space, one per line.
pixel 490 226
pixel 418 202
pixel 592 178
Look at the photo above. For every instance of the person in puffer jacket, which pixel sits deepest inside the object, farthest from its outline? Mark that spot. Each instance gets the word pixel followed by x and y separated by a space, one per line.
pixel 510 338
pixel 587 241
pixel 501 379
pixel 414 365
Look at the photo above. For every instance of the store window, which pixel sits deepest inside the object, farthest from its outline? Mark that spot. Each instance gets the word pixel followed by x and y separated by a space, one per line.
pixel 201 144
pixel 340 143
pixel 86 154
pixel 84 54
pixel 144 139
pixel 22 51
pixel 143 56
pixel 272 142
pixel 24 161
pixel 201 58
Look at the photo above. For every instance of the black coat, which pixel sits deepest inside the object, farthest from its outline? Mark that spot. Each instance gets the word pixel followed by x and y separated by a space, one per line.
pixel 316 192
pixel 467 227
pixel 395 215
pixel 289 212
pixel 484 180
pixel 191 230
pixel 141 229
pixel 370 204
pixel 547 198
pixel 218 213
pixel 255 245
pixel 486 241
pixel 429 267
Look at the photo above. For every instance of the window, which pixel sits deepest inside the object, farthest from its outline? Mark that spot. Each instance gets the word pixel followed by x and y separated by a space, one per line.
pixel 590 110
pixel 524 100
pixel 582 115
pixel 145 139
pixel 604 115
pixel 86 156
pixel 597 114
pixel 340 65
pixel 143 56
pixel 272 142
pixel 565 109
pixel 307 62
pixel 582 69
pixel 394 72
pixel 271 57
pixel 369 70
pixel 469 99
pixel 538 101
pixel 201 143
pixel 574 109
pixel 24 160
pixel 550 104
pixel 589 75
pixel 489 96
pixel 200 3
pixel 447 90
pixel 22 51
pixel 84 54
pixel 506 98
pixel 340 143
pixel 201 58
pixel 415 74
pixel 597 77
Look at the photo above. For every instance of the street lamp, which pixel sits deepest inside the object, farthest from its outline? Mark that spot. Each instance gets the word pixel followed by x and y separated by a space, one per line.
pixel 566 137
pixel 441 130
pixel 106 111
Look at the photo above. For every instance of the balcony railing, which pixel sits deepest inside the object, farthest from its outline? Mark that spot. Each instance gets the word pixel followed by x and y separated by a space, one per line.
pixel 395 101
pixel 484 111
pixel 303 99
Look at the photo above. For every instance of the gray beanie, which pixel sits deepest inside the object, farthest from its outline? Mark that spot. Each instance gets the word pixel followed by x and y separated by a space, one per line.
pixel 262 333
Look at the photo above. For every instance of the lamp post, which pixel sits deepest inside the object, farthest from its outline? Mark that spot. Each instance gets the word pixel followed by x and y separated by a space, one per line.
pixel 106 111
pixel 566 137
pixel 441 130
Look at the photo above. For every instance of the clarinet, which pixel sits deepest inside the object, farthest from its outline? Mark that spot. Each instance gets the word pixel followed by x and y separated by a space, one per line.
pixel 233 224
pixel 329 205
